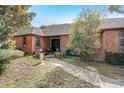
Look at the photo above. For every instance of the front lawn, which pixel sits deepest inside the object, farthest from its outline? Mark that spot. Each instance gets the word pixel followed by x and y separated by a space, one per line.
pixel 21 74
pixel 112 71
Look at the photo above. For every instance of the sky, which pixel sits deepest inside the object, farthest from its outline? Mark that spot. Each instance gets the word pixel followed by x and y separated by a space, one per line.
pixel 59 14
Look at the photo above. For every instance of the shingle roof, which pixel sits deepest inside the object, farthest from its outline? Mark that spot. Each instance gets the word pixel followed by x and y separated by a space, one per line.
pixel 113 23
pixel 54 30
pixel 63 29
pixel 32 30
pixel 51 30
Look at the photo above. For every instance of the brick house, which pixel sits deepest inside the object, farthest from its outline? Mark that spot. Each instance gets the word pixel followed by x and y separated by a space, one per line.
pixel 55 37
pixel 112 35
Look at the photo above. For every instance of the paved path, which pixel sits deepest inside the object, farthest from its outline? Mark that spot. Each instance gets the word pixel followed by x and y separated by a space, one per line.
pixel 89 75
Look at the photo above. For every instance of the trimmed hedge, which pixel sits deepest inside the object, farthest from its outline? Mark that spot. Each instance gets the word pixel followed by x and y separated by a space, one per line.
pixel 114 58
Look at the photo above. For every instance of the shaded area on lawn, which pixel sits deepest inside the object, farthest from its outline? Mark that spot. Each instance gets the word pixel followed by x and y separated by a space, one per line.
pixel 21 74
pixel 112 71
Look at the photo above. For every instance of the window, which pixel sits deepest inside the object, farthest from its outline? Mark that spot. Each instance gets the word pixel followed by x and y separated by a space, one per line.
pixel 122 41
pixel 37 42
pixel 24 41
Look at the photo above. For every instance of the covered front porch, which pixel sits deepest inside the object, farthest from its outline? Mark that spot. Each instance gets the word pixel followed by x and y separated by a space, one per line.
pixel 54 43
pixel 51 44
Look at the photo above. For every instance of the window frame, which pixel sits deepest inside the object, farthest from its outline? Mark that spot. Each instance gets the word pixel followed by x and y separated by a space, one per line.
pixel 121 40
pixel 24 42
pixel 37 39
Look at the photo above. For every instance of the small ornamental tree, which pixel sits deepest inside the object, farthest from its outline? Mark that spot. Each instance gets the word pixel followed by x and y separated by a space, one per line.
pixel 84 32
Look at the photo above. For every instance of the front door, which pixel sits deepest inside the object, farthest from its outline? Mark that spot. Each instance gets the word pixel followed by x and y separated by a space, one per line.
pixel 55 45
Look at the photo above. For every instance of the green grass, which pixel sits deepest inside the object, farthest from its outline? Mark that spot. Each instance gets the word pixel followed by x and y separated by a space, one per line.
pixel 31 59
pixel 112 71
pixel 68 59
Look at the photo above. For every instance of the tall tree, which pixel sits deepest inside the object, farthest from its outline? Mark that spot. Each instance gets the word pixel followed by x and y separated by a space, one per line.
pixel 116 8
pixel 43 27
pixel 12 19
pixel 84 32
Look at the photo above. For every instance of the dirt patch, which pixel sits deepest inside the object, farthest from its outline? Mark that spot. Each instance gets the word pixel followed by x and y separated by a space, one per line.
pixel 20 74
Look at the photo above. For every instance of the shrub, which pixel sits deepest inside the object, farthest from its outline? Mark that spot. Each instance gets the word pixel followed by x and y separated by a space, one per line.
pixel 10 53
pixel 3 63
pixel 72 52
pixel 114 58
pixel 9 44
pixel 2 68
pixel 36 55
pixel 63 55
pixel 87 58
pixel 69 52
pixel 6 55
pixel 5 46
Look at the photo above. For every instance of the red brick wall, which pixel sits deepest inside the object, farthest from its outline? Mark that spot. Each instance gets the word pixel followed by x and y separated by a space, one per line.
pixel 19 42
pixel 29 44
pixel 110 41
pixel 34 49
pixel 45 43
pixel 63 42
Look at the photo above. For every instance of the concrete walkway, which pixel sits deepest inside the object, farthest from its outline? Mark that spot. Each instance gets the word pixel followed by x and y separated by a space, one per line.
pixel 89 75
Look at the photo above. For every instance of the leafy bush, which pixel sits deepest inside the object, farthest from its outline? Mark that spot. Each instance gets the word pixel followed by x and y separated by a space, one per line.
pixel 9 44
pixel 76 52
pixel 5 46
pixel 87 58
pixel 63 55
pixel 10 53
pixel 72 52
pixel 6 55
pixel 69 52
pixel 114 58
pixel 3 65
pixel 36 55
pixel 2 68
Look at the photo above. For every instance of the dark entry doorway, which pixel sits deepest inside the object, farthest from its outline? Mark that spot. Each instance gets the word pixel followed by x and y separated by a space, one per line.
pixel 55 44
